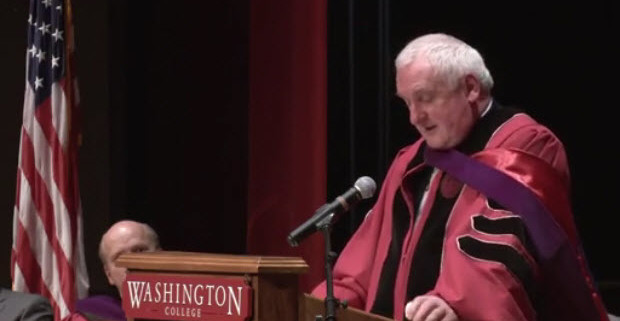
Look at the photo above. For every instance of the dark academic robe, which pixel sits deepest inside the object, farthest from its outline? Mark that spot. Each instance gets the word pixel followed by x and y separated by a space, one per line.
pixel 18 306
pixel 98 307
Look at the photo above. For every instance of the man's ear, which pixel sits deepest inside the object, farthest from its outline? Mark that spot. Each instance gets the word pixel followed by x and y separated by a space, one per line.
pixel 108 274
pixel 472 88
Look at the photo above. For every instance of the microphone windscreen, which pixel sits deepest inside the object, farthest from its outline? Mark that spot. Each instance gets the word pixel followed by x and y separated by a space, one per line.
pixel 366 186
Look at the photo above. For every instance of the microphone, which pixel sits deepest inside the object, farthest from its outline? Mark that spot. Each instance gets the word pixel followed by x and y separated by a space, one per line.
pixel 363 188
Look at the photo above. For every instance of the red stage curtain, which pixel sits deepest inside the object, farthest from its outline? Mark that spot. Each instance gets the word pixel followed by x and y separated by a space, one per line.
pixel 287 127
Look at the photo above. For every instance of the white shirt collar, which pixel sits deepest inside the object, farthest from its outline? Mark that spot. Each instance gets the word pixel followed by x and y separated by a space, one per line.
pixel 486 110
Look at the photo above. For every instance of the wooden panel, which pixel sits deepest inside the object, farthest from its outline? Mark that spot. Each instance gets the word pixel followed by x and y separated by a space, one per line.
pixel 276 297
pixel 211 263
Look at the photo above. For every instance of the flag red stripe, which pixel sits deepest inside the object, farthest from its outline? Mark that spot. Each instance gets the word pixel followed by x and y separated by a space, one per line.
pixel 18 187
pixel 72 144
pixel 29 266
pixel 74 135
pixel 45 208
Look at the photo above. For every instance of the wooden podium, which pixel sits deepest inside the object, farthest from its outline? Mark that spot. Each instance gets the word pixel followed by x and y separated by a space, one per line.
pixel 273 283
pixel 168 285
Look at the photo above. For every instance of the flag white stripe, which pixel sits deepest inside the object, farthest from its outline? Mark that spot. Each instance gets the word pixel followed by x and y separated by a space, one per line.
pixel 15 266
pixel 19 282
pixel 59 117
pixel 28 113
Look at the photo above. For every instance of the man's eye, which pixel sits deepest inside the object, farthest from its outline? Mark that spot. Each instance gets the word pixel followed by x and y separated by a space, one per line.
pixel 424 98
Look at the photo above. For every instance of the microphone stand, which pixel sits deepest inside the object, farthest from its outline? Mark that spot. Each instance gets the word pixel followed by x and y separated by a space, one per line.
pixel 331 303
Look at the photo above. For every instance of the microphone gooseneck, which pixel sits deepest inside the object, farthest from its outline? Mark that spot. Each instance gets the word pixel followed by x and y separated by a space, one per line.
pixel 363 188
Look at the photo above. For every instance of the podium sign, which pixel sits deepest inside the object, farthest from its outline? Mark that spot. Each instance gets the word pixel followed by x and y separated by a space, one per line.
pixel 183 297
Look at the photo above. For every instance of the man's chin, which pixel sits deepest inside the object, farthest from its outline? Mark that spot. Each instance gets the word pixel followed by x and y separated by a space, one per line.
pixel 438 145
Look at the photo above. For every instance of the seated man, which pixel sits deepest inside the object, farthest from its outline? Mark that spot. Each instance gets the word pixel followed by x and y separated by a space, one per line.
pixel 123 237
pixel 18 306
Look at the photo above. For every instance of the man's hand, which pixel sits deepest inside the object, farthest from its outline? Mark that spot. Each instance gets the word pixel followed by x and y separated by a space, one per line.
pixel 429 308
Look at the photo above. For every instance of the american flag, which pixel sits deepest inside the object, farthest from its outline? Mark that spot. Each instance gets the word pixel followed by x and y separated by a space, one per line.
pixel 47 254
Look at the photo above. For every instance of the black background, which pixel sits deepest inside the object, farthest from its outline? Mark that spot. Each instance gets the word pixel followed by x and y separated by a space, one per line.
pixel 164 90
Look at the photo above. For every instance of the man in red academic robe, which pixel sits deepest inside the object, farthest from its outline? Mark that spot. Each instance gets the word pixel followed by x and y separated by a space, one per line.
pixel 474 218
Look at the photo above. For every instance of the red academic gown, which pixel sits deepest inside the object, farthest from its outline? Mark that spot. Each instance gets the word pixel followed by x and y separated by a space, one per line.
pixel 476 287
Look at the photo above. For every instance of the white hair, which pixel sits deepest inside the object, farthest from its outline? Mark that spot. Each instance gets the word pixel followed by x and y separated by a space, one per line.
pixel 450 57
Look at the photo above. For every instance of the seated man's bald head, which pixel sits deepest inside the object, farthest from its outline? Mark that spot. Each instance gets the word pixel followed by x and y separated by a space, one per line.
pixel 124 237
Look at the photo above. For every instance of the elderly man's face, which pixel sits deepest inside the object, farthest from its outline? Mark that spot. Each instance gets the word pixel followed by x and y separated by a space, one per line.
pixel 443 115
pixel 124 239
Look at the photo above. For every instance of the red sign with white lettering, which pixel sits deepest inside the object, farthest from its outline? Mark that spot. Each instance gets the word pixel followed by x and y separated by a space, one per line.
pixel 174 297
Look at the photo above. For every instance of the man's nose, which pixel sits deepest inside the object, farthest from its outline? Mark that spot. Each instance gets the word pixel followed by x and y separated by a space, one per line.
pixel 416 114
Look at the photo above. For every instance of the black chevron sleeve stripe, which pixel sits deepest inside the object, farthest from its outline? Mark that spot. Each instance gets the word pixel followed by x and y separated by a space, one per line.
pixel 501 253
pixel 505 225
